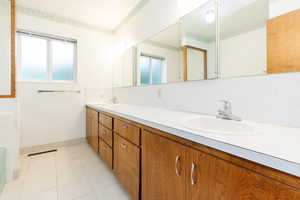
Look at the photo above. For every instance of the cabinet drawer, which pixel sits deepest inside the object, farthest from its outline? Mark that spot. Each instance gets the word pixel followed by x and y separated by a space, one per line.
pixel 105 153
pixel 127 165
pixel 106 135
pixel 128 131
pixel 106 121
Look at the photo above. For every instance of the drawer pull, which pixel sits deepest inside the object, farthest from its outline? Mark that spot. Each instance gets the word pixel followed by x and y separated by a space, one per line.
pixel 177 162
pixel 193 182
pixel 123 146
pixel 124 126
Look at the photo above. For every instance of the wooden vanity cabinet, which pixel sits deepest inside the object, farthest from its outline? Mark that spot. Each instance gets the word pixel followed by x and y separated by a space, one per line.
pixel 155 165
pixel 106 153
pixel 127 165
pixel 163 171
pixel 92 128
pixel 197 175
pixel 106 139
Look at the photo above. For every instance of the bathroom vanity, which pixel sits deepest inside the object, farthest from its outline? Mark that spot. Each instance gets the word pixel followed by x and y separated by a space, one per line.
pixel 156 157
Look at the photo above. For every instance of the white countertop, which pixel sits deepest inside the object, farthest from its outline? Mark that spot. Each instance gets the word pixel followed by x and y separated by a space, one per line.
pixel 275 146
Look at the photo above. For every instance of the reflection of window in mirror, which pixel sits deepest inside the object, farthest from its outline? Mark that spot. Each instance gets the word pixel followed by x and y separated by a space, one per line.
pixel 152 69
pixel 195 63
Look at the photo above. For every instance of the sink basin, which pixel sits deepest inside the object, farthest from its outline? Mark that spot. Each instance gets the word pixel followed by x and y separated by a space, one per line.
pixel 219 126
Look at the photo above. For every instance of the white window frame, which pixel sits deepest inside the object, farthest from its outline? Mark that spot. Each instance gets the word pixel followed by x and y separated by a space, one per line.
pixel 48 38
pixel 163 60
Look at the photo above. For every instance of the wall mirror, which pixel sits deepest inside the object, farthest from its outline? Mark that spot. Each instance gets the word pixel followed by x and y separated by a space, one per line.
pixel 243 40
pixel 7 55
pixel 179 53
pixel 236 39
pixel 256 41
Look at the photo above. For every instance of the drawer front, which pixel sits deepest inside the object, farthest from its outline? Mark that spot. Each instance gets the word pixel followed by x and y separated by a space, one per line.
pixel 106 121
pixel 127 165
pixel 105 153
pixel 128 131
pixel 106 135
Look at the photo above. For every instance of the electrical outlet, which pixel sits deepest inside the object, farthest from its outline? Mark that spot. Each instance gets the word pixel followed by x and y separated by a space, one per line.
pixel 159 92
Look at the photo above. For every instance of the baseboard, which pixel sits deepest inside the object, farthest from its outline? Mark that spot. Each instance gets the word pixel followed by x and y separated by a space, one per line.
pixel 46 147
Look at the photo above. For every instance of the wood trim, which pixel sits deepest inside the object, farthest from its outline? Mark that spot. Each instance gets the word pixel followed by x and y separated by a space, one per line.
pixel 185 55
pixel 269 172
pixel 13 52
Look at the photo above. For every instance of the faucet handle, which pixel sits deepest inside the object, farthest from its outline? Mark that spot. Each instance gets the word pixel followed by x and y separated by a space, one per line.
pixel 227 105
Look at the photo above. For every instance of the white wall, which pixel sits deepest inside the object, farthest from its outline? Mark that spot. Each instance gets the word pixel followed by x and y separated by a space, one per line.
pixel 123 69
pixel 280 7
pixel 244 54
pixel 9 134
pixel 48 118
pixel 272 98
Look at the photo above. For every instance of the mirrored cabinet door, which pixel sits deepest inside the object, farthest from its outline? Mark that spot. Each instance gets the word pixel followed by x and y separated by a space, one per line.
pixel 7 55
pixel 184 51
pixel 243 38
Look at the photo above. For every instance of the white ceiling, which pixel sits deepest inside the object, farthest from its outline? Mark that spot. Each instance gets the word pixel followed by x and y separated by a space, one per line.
pixel 105 14
pixel 171 36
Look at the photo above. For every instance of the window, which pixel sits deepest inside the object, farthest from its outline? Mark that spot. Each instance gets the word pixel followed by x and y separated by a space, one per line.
pixel 43 58
pixel 151 69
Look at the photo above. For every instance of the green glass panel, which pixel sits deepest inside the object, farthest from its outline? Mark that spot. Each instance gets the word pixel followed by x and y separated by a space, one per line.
pixel 34 58
pixel 63 60
pixel 145 70
pixel 156 71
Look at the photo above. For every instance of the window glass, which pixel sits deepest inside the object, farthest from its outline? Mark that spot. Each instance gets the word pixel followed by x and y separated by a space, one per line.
pixel 156 70
pixel 34 58
pixel 43 58
pixel 63 60
pixel 145 70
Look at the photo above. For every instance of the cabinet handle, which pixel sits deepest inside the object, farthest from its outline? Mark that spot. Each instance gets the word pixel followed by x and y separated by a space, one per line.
pixel 193 182
pixel 124 126
pixel 177 161
pixel 123 146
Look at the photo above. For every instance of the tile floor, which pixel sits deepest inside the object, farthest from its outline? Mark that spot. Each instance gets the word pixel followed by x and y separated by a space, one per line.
pixel 71 173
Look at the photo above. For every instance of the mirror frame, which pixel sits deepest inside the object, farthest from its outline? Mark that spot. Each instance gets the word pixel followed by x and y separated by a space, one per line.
pixel 13 51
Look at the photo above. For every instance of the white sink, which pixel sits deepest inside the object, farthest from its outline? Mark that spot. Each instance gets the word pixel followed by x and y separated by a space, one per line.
pixel 219 126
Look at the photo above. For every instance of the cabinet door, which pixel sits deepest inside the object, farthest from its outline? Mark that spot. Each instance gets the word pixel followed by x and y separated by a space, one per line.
pixel 197 174
pixel 88 125
pixel 163 171
pixel 94 130
pixel 127 165
pixel 230 182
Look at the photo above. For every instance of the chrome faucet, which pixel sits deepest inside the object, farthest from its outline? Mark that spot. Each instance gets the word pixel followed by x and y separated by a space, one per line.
pixel 226 112
pixel 115 100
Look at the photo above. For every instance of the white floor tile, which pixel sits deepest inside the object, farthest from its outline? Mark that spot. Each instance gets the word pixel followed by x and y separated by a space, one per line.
pixel 71 173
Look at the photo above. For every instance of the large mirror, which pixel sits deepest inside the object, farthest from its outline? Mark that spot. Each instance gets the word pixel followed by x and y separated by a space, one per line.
pixel 7 55
pixel 259 37
pixel 179 53
pixel 236 39
pixel 243 42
